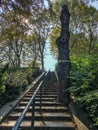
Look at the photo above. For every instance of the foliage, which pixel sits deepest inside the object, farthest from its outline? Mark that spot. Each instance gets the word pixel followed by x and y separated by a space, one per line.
pixel 24 27
pixel 16 81
pixel 83 27
pixel 20 20
pixel 84 83
pixel 3 76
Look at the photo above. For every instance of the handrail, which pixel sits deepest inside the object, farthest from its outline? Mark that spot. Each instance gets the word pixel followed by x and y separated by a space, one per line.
pixel 31 102
pixel 36 80
pixel 56 74
pixel 47 73
pixel 20 119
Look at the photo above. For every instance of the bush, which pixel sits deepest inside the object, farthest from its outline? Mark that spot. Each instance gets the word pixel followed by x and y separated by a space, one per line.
pixel 3 77
pixel 84 84
pixel 2 89
pixel 15 81
pixel 24 84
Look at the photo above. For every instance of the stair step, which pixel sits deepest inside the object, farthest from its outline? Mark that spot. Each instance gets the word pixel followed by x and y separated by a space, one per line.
pixel 37 99
pixel 47 96
pixel 50 95
pixel 38 128
pixel 42 103
pixel 47 90
pixel 50 90
pixel 45 93
pixel 43 116
pixel 44 109
pixel 46 125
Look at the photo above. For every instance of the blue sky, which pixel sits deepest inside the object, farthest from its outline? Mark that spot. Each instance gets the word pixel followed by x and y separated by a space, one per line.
pixel 50 61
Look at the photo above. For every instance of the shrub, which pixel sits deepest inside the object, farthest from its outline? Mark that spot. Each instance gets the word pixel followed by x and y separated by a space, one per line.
pixel 84 84
pixel 14 80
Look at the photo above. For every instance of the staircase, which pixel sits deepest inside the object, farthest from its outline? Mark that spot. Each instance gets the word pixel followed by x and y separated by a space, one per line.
pixel 53 116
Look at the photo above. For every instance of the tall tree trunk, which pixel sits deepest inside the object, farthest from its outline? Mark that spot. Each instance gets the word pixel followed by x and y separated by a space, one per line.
pixel 63 56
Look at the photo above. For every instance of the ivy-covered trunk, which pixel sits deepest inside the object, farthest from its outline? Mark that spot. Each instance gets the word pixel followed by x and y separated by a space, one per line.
pixel 63 56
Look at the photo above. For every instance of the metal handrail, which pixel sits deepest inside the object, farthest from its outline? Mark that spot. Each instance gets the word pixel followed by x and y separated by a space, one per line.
pixel 20 119
pixel 31 102
pixel 40 77
pixel 56 74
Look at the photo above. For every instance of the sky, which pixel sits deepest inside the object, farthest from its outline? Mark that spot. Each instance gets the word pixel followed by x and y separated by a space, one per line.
pixel 95 4
pixel 49 60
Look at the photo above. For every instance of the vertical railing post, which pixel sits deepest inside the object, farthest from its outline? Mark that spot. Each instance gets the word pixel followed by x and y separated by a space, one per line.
pixel 33 115
pixel 41 99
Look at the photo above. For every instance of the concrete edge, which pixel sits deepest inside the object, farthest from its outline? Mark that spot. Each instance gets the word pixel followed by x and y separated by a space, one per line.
pixel 81 118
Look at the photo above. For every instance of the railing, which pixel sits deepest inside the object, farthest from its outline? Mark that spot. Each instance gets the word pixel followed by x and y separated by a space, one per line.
pixel 31 103
pixel 56 74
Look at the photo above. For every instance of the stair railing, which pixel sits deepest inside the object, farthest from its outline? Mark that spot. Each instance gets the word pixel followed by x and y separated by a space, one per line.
pixel 41 89
pixel 31 103
pixel 56 74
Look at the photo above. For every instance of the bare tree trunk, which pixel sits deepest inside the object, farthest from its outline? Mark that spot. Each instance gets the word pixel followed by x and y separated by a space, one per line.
pixel 63 57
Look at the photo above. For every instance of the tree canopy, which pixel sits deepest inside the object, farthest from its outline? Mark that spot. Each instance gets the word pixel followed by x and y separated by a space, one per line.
pixel 23 24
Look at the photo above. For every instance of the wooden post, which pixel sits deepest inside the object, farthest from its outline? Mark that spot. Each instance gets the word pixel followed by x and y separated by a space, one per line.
pixel 63 56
